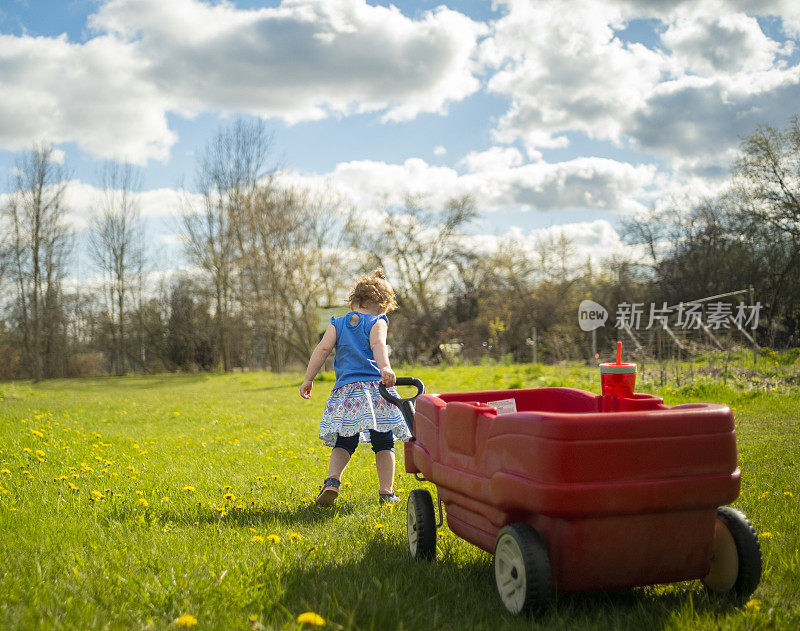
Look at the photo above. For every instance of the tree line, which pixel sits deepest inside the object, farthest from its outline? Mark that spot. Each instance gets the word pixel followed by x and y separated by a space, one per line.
pixel 265 258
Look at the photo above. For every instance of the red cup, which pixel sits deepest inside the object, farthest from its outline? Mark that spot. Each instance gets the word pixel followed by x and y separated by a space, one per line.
pixel 618 380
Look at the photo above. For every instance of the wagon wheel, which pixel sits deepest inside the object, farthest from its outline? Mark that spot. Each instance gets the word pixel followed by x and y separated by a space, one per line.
pixel 421 525
pixel 736 560
pixel 522 569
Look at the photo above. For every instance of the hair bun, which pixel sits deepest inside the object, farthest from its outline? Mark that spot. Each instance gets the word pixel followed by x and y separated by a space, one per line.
pixel 379 273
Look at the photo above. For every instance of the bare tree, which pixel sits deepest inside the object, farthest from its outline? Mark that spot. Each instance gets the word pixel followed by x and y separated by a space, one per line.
pixel 421 249
pixel 116 245
pixel 290 245
pixel 227 175
pixel 39 245
pixel 769 170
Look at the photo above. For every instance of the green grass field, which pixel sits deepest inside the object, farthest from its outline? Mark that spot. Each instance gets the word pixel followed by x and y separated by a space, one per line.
pixel 130 502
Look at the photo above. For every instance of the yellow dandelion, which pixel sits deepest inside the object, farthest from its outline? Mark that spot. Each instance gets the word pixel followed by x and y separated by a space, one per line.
pixel 39 453
pixel 143 502
pixel 753 604
pixel 229 497
pixel 27 450
pixel 257 539
pixel 189 489
pixel 274 538
pixel 5 471
pixel 139 493
pixel 165 499
pixel 185 620
pixel 295 536
pixel 72 486
pixel 98 495
pixel 378 527
pixel 788 494
pixel 765 535
pixel 309 617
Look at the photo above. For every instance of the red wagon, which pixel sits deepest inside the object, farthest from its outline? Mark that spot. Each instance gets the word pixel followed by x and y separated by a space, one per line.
pixel 574 491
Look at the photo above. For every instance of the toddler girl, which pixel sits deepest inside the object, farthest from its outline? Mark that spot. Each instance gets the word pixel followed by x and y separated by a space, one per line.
pixel 356 411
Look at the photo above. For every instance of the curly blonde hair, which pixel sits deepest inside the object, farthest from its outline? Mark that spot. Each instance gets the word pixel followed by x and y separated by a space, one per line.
pixel 374 287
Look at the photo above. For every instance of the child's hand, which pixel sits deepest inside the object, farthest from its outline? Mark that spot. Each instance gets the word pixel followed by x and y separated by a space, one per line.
pixel 388 377
pixel 305 389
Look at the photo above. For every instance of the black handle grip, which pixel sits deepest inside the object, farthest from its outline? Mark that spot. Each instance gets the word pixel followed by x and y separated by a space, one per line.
pixel 402 381
pixel 406 405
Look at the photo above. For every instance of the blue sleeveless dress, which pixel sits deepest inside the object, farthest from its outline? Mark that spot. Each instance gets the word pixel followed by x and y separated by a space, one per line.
pixel 355 405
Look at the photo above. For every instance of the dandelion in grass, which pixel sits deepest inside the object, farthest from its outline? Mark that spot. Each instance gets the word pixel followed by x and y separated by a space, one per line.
pixel 185 620
pixel 257 539
pixel 309 617
pixel 188 489
pixel 143 502
pixel 229 497
pixel 5 471
pixel 274 538
pixel 295 536
pixel 39 453
pixel 72 486
pixel 765 535
pixel 753 605
pixel 378 527
pixel 788 494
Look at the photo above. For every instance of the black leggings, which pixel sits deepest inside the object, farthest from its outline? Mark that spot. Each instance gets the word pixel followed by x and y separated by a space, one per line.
pixel 381 441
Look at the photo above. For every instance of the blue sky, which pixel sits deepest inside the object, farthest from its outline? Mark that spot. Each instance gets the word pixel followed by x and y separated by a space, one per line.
pixel 553 115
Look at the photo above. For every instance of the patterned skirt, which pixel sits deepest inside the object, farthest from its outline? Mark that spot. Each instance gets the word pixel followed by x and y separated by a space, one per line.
pixel 358 407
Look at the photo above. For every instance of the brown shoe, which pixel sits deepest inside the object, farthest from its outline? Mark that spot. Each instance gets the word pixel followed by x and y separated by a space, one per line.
pixel 330 491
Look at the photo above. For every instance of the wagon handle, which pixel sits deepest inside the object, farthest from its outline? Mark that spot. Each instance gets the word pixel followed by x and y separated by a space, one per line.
pixel 406 405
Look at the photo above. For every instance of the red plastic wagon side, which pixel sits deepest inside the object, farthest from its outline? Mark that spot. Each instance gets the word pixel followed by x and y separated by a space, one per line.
pixel 575 491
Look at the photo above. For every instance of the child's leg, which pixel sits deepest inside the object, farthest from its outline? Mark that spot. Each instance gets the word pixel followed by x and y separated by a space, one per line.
pixel 383 446
pixel 344 448
pixel 339 459
pixel 340 456
pixel 384 462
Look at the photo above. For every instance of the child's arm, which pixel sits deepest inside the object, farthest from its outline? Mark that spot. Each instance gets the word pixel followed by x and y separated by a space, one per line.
pixel 377 341
pixel 318 358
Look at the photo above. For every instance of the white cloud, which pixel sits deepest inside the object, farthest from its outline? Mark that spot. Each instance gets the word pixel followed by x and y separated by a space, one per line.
pixel 565 70
pixel 93 94
pixel 305 59
pixel 301 60
pixel 439 150
pixel 711 41
pixel 713 76
pixel 497 179
pixel 697 122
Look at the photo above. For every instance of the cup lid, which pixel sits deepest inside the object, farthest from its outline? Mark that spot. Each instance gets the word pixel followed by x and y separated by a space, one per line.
pixel 617 369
